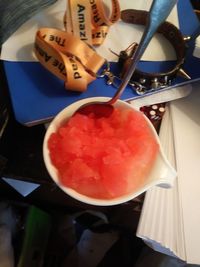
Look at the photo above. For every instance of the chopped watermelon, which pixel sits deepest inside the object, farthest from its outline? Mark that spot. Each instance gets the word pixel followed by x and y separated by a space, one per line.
pixel 103 158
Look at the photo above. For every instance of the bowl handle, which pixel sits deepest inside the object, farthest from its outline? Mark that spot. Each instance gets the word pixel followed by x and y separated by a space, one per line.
pixel 168 178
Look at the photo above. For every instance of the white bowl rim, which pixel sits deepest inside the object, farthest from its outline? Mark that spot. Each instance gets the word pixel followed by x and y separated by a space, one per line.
pixel 74 194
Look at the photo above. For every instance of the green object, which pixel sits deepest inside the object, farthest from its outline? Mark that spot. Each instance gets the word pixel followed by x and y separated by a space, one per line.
pixel 37 230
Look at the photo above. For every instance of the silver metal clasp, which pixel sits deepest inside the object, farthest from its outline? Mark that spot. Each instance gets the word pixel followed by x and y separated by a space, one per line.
pixel 111 79
pixel 138 87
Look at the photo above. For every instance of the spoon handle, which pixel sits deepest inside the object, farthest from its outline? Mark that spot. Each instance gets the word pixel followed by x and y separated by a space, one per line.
pixel 158 13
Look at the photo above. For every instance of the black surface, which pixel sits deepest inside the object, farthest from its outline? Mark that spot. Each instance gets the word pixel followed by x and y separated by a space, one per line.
pixel 20 146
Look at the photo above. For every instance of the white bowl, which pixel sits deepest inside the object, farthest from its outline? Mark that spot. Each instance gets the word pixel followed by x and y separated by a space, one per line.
pixel 162 172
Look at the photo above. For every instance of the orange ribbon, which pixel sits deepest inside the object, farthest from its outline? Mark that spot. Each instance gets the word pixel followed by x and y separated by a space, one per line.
pixel 88 19
pixel 68 55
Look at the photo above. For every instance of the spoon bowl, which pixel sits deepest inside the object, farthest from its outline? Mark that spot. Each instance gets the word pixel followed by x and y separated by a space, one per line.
pixel 100 109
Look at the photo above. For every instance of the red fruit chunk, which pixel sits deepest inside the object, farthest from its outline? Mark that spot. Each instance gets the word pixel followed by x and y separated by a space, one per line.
pixel 103 157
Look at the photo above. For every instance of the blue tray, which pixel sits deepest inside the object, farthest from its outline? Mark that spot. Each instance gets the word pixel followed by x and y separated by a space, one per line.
pixel 37 95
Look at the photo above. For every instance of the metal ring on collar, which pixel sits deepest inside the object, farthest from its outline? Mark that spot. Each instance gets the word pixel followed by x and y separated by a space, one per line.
pixel 156 81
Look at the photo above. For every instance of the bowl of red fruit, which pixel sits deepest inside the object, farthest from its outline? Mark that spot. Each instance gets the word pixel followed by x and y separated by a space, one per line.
pixel 107 160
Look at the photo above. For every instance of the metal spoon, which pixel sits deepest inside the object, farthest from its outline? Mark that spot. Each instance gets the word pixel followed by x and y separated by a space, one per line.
pixel 158 13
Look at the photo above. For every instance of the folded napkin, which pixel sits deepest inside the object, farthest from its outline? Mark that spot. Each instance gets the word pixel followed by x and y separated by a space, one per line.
pixel 15 12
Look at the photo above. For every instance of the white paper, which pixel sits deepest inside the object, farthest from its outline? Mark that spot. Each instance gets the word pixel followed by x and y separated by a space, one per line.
pixel 186 125
pixel 196 52
pixel 176 231
pixel 161 224
pixel 19 47
pixel 24 188
pixel 163 96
